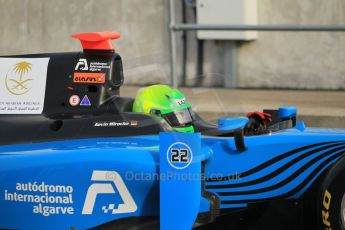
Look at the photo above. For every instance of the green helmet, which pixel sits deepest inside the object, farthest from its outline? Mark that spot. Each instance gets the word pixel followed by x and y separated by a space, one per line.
pixel 168 103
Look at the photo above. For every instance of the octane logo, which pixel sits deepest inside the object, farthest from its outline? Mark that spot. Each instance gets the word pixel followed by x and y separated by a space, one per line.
pixel 114 179
pixel 82 64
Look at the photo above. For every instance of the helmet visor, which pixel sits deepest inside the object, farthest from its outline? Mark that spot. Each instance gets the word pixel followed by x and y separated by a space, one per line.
pixel 180 118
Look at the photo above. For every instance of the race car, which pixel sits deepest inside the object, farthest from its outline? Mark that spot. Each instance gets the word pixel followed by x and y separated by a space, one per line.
pixel 74 155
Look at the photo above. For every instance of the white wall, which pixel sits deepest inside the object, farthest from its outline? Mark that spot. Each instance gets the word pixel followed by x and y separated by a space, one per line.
pixel 276 59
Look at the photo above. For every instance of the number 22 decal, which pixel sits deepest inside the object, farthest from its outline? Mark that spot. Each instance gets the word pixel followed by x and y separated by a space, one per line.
pixel 179 155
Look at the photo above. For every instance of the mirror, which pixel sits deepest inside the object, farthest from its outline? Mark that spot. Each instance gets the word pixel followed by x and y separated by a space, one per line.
pixel 232 123
pixel 235 125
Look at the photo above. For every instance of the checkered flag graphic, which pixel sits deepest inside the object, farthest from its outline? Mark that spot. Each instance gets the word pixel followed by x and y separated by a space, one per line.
pixel 110 207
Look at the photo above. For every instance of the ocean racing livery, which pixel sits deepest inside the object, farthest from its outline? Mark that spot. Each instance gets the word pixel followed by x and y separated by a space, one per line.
pixel 74 155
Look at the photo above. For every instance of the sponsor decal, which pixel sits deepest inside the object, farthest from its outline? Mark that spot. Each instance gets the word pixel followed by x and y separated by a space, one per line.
pixel 85 101
pixel 107 182
pixel 179 155
pixel 325 212
pixel 20 79
pixel 115 123
pixel 99 66
pixel 180 102
pixel 89 78
pixel 23 84
pixel 74 100
pixel 82 65
pixel 47 199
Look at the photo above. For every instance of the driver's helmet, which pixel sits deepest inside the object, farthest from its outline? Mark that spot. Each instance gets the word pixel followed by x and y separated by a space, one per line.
pixel 168 103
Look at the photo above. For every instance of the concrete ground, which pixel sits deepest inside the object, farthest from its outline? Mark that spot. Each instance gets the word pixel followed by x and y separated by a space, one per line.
pixel 316 108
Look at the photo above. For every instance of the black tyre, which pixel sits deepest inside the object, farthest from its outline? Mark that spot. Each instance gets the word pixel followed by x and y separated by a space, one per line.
pixel 331 201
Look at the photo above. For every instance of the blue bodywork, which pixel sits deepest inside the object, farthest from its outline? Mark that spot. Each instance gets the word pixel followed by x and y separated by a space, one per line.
pixel 88 182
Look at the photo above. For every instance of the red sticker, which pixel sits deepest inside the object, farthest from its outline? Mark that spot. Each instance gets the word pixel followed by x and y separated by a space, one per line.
pixel 134 123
